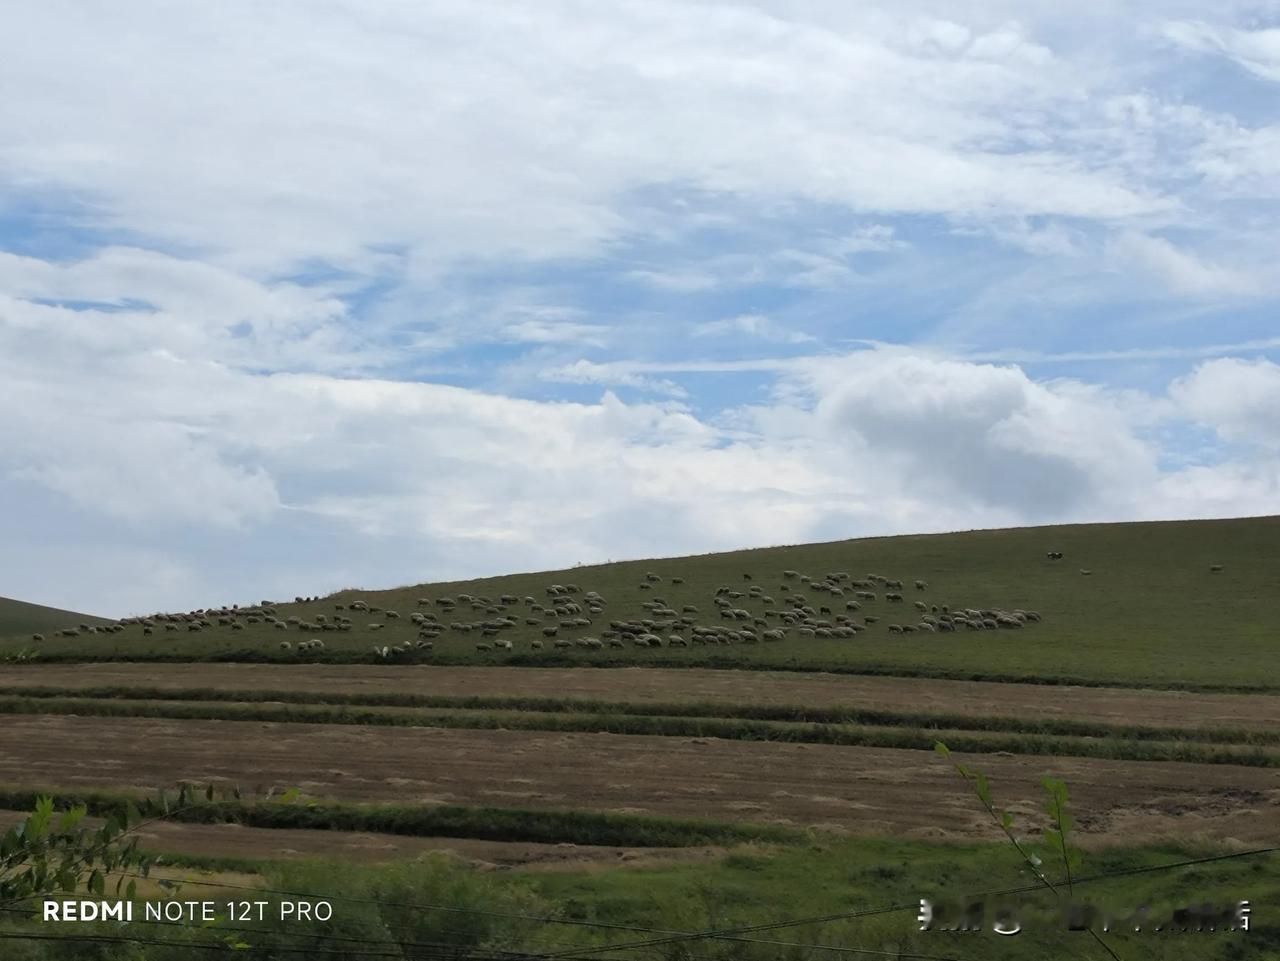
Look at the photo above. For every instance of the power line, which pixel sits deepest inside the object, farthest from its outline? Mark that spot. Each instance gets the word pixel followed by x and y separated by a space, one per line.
pixel 728 933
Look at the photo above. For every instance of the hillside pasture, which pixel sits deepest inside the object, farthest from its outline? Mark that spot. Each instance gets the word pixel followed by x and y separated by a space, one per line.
pixel 1151 613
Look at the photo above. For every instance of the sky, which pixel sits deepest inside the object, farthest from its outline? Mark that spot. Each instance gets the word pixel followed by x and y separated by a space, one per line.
pixel 303 296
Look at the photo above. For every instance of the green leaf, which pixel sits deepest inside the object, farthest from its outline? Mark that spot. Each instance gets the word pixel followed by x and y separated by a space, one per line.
pixel 941 748
pixel 1006 819
pixel 96 884
pixel 983 789
pixel 208 792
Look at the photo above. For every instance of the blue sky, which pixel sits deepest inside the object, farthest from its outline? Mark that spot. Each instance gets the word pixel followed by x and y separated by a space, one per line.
pixel 298 298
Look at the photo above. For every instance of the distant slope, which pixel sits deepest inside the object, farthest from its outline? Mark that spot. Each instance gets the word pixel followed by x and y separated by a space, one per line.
pixel 19 617
pixel 1153 611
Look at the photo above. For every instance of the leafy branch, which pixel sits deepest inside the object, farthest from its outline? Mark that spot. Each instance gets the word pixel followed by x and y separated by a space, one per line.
pixel 1056 835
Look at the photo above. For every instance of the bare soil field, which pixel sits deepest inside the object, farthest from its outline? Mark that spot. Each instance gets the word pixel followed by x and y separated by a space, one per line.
pixel 687 685
pixel 869 791
pixel 238 841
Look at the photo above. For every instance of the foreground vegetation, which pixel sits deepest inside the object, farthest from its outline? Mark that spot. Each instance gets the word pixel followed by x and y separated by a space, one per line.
pixel 761 901
pixel 1150 613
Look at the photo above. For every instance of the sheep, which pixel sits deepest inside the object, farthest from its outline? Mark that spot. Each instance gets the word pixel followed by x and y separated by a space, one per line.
pixel 1086 573
pixel 37 637
pixel 375 626
pixel 563 642
pixel 1215 568
pixel 502 645
pixel 285 646
pixel 482 647
pixel 921 585
pixel 893 597
pixel 424 645
pixel 1054 555
pixel 550 631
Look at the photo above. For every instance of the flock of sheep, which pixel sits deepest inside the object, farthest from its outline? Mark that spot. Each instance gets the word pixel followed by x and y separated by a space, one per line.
pixel 833 605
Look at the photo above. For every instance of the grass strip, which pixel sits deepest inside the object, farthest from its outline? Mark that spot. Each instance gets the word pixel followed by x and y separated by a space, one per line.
pixel 605 660
pixel 925 720
pixel 654 725
pixel 444 820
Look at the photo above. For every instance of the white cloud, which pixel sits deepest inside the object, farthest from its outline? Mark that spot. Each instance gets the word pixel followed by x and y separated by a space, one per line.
pixel 614 374
pixel 268 140
pixel 1240 399
pixel 1182 271
pixel 1258 51
pixel 554 332
pixel 752 325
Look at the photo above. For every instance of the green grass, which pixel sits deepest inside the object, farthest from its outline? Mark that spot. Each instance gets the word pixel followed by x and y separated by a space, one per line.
pixel 883 880
pixel 20 617
pixel 1114 747
pixel 1151 614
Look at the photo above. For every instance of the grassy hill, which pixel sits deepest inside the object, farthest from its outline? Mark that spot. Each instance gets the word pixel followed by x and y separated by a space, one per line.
pixel 1151 612
pixel 19 617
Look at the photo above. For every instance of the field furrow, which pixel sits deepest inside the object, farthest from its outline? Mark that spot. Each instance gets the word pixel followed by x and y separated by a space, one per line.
pixel 876 791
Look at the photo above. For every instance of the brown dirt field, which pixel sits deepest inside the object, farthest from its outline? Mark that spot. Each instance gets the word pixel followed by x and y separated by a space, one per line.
pixel 237 841
pixel 857 790
pixel 656 685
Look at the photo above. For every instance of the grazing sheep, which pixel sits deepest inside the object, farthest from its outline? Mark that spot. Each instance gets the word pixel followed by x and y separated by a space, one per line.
pixel 502 645
pixel 37 637
pixel 1215 568
pixel 1054 555
pixel 482 647
pixel 563 643
pixel 921 585
pixel 550 631
pixel 1085 572
pixel 285 646
pixel 424 645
